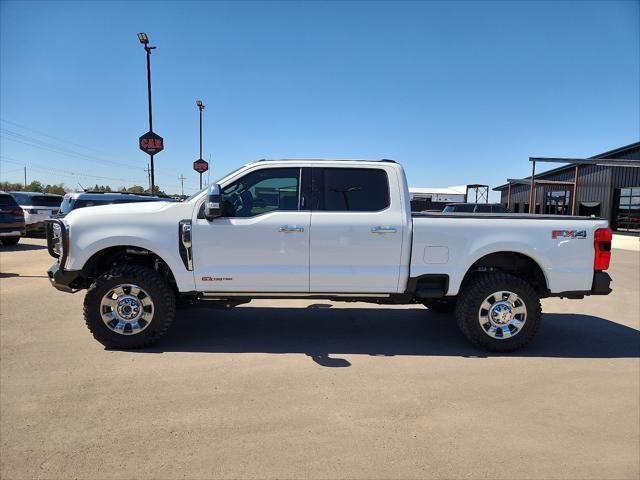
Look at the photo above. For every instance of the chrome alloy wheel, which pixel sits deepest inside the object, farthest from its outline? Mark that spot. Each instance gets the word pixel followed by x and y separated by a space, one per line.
pixel 126 309
pixel 502 315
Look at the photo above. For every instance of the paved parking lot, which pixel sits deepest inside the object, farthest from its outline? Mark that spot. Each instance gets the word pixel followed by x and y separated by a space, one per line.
pixel 317 390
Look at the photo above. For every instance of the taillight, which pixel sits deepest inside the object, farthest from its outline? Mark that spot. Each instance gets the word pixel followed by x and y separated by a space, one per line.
pixel 602 246
pixel 17 211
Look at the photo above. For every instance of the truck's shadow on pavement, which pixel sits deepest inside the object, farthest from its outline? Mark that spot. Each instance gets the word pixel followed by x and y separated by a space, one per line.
pixel 322 333
pixel 21 247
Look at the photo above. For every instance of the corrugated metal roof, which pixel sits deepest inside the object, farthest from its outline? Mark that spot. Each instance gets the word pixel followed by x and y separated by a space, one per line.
pixel 627 152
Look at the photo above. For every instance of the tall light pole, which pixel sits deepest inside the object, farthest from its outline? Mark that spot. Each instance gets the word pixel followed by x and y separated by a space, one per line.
pixel 150 143
pixel 200 106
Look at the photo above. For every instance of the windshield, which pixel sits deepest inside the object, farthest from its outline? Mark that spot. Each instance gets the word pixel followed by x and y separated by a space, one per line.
pixel 65 206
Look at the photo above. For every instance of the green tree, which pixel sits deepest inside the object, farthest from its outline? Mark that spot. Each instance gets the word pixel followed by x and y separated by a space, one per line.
pixel 11 187
pixel 57 189
pixel 35 186
pixel 157 191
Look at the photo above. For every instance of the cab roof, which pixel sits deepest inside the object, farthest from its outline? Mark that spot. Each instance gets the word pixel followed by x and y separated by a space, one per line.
pixel 321 160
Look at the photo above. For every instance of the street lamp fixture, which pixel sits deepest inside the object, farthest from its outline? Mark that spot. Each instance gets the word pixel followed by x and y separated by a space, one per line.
pixel 199 104
pixel 143 38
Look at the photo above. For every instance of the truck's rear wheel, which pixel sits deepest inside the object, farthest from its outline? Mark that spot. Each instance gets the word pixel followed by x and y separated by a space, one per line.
pixel 498 312
pixel 129 307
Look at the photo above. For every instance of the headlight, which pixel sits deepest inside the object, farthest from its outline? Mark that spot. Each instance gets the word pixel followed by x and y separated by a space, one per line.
pixel 56 239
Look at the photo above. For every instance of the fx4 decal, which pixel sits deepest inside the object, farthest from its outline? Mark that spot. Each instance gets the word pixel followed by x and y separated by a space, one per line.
pixel 568 234
pixel 216 279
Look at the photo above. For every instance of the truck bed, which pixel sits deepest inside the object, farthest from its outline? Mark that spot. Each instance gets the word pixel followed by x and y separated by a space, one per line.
pixel 511 216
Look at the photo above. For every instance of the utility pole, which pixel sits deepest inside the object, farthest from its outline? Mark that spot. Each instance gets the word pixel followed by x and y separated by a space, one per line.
pixel 181 178
pixel 25 178
pixel 148 170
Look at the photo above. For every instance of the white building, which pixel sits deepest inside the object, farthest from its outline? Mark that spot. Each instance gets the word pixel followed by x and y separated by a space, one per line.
pixel 424 198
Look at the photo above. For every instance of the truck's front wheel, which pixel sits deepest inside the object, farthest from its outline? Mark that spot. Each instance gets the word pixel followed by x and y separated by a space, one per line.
pixel 498 312
pixel 129 307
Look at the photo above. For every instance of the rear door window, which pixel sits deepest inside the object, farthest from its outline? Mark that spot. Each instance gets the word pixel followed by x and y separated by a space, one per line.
pixel 350 189
pixel 483 209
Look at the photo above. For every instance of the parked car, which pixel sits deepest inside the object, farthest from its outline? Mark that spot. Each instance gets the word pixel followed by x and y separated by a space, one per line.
pixel 339 230
pixel 37 208
pixel 72 201
pixel 476 208
pixel 11 220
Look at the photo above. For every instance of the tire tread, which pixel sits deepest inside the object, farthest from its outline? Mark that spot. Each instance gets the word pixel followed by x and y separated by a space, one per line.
pixel 161 323
pixel 466 312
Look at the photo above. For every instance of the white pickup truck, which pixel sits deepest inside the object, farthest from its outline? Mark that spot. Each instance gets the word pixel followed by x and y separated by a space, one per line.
pixel 332 229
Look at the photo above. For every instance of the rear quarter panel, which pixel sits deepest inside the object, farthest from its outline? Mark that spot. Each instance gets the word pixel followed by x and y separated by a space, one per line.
pixel 450 245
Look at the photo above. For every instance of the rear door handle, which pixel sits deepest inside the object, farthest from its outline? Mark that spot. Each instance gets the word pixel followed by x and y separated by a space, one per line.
pixel 292 229
pixel 380 229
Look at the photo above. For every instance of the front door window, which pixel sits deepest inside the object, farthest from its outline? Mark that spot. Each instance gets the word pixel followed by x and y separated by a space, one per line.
pixel 262 191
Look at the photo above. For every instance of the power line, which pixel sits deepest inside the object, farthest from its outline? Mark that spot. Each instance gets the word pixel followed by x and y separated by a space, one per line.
pixel 62 172
pixel 34 142
pixel 30 141
pixel 63 151
pixel 49 136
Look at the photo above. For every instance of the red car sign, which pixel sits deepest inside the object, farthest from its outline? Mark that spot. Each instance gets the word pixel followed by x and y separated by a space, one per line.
pixel 151 143
pixel 200 166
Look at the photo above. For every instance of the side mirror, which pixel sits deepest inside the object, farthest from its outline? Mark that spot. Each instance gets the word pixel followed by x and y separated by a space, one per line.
pixel 213 205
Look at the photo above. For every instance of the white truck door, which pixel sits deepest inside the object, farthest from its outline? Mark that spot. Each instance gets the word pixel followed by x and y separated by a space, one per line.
pixel 261 244
pixel 356 230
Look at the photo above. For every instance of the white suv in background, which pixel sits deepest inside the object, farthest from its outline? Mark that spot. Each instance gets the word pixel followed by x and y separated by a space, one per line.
pixel 37 208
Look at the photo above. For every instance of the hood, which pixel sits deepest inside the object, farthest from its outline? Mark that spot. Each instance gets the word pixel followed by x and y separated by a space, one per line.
pixel 124 209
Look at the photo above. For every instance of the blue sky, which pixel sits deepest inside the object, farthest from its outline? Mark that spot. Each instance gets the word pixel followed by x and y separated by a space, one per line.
pixel 459 92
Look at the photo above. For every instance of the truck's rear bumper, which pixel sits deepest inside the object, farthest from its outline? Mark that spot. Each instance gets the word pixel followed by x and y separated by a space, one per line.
pixel 64 280
pixel 601 284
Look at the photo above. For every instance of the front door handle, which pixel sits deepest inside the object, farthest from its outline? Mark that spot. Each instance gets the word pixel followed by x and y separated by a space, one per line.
pixel 380 229
pixel 292 229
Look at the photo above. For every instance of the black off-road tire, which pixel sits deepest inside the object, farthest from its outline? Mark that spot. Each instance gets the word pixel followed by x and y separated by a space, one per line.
pixel 474 293
pixel 10 240
pixel 153 283
pixel 441 305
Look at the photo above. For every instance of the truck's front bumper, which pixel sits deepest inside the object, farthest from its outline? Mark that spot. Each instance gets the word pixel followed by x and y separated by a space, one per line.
pixel 601 284
pixel 65 280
